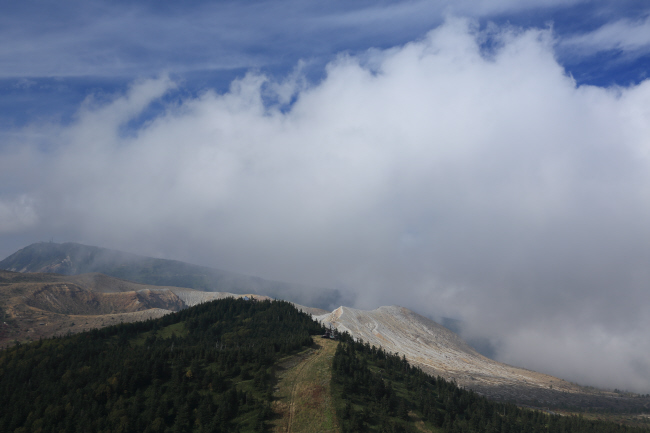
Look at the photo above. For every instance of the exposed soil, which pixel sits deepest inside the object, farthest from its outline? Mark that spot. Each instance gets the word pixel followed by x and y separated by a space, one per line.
pixel 34 306
pixel 440 352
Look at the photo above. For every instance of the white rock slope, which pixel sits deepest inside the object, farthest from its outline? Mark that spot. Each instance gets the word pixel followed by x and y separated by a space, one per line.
pixel 439 351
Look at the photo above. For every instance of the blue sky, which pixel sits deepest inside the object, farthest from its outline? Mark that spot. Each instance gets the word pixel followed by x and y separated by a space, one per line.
pixel 483 160
pixel 55 55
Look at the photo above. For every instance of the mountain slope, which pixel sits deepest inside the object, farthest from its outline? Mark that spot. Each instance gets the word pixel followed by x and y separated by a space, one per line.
pixel 37 305
pixel 378 391
pixel 302 396
pixel 204 369
pixel 34 306
pixel 439 351
pixel 73 259
pixel 41 305
pixel 214 368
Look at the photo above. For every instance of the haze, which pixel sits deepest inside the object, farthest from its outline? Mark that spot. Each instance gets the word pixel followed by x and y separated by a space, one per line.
pixel 461 167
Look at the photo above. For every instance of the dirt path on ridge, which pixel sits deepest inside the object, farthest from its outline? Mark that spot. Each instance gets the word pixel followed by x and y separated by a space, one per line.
pixel 303 397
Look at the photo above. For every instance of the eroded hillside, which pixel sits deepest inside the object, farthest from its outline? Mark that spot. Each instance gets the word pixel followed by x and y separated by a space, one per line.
pixel 41 305
pixel 76 259
pixel 439 351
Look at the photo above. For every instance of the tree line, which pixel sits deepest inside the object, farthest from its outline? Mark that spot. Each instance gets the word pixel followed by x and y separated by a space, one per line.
pixel 381 392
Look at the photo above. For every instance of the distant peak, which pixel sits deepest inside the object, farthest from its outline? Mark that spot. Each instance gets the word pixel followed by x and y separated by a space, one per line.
pixel 337 313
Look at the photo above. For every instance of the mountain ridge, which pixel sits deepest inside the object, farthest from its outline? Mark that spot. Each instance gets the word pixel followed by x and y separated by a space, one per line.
pixel 46 304
pixel 41 305
pixel 73 259
pixel 246 366
pixel 441 352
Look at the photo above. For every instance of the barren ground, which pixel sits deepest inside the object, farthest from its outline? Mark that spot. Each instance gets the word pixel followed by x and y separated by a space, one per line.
pixel 440 352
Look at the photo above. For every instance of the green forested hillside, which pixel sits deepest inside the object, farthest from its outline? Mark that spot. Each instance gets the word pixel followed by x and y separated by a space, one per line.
pixel 380 392
pixel 203 369
pixel 210 368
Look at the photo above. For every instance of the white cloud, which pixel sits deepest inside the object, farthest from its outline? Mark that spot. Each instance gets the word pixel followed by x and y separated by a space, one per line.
pixel 106 39
pixel 625 35
pixel 582 355
pixel 443 180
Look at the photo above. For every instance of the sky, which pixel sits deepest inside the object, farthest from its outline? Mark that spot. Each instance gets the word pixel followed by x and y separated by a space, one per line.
pixel 487 161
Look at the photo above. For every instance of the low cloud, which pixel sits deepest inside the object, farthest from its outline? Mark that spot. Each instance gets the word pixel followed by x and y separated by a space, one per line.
pixel 16 215
pixel 434 175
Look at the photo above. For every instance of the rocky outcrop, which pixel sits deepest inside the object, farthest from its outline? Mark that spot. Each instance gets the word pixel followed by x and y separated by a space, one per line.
pixel 71 299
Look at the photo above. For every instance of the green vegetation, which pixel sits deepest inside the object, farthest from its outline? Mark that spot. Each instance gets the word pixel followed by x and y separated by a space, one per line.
pixel 303 398
pixel 207 368
pixel 377 391
pixel 212 368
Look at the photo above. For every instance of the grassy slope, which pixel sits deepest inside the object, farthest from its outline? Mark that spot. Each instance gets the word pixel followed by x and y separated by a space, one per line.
pixel 303 400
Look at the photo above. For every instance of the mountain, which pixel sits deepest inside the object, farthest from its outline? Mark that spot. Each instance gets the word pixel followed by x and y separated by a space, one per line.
pixel 73 259
pixel 376 390
pixel 36 305
pixel 204 369
pixel 247 366
pixel 42 305
pixel 440 352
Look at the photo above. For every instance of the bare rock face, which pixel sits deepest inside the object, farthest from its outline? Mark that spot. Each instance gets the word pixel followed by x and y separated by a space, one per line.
pixel 71 299
pixel 42 305
pixel 440 352
pixel 192 297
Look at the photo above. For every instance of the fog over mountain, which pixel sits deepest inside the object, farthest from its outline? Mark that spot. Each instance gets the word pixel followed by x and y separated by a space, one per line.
pixel 450 176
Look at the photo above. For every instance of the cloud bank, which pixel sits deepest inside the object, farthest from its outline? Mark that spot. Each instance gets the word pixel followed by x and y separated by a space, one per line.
pixel 437 175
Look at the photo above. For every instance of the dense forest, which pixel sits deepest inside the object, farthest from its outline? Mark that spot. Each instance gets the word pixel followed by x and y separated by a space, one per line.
pixel 381 392
pixel 204 369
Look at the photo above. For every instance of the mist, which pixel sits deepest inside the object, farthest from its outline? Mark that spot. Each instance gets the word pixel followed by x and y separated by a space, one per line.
pixel 453 177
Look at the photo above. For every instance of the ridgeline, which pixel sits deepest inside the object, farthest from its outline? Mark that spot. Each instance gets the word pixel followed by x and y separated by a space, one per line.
pixel 73 259
pixel 236 365
pixel 204 369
